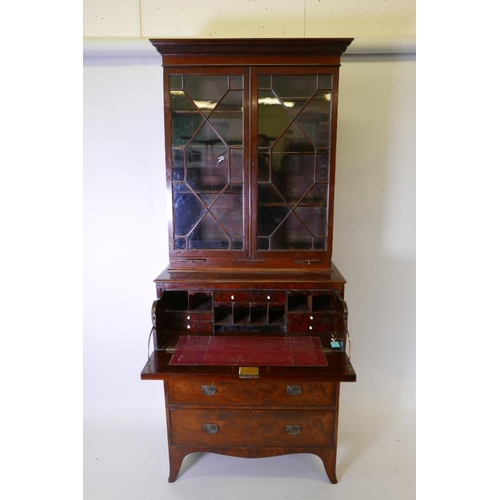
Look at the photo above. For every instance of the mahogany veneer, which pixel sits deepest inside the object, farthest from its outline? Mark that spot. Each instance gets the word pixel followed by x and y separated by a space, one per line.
pixel 249 322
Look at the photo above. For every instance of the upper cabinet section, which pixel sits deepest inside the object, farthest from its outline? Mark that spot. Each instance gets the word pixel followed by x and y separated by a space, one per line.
pixel 250 129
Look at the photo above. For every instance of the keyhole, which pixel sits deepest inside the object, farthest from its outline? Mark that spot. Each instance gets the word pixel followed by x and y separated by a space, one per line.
pixel 253 415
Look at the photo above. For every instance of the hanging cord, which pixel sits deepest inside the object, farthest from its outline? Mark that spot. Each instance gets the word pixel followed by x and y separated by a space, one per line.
pixel 149 342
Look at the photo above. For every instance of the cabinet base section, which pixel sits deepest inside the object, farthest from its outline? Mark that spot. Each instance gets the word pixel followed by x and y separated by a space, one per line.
pixel 178 453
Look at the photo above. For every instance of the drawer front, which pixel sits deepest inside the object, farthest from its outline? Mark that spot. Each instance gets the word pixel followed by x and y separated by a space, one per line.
pixel 190 326
pixel 268 297
pixel 311 323
pixel 251 392
pixel 310 327
pixel 252 427
pixel 248 297
pixel 188 316
pixel 313 318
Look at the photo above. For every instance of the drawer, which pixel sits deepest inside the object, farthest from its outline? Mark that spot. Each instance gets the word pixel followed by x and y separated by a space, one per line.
pixel 248 297
pixel 251 392
pixel 187 316
pixel 312 317
pixel 311 328
pixel 252 427
pixel 190 326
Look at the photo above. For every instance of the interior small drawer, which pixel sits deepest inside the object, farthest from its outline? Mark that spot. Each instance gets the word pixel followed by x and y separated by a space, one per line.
pixel 268 296
pixel 251 427
pixel 310 326
pixel 226 297
pixel 247 297
pixel 188 316
pixel 311 317
pixel 251 392
pixel 190 326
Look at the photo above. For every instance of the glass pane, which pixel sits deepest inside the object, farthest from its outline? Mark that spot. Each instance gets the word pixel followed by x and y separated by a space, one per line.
pixel 185 118
pixel 287 86
pixel 227 118
pixel 237 243
pixel 294 140
pixel 236 165
pixel 322 165
pixel 313 218
pixel 315 119
pixel 264 163
pixel 208 161
pixel 292 235
pixel 274 216
pixel 180 243
pixel 263 244
pixel 210 174
pixel 273 117
pixel 268 195
pixel 319 244
pixel 206 90
pixel 228 210
pixel 187 209
pixel 294 92
pixel 316 196
pixel 208 235
pixel 293 174
pixel 236 81
pixel 264 82
pixel 178 166
pixel 176 81
pixel 325 81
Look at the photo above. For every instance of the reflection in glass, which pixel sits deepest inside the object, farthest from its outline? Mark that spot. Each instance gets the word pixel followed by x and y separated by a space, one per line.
pixel 176 81
pixel 313 218
pixel 295 86
pixel 325 81
pixel 322 165
pixel 178 166
pixel 317 195
pixel 228 210
pixel 236 81
pixel 236 164
pixel 270 218
pixel 227 118
pixel 187 209
pixel 206 91
pixel 209 235
pixel 185 118
pixel 292 233
pixel 315 119
pixel 265 82
pixel 273 117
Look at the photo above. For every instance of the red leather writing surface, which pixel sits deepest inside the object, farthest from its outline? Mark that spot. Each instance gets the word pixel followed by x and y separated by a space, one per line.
pixel 249 351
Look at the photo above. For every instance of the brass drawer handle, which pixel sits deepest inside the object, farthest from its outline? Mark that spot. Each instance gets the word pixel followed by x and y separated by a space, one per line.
pixel 294 390
pixel 209 390
pixel 293 429
pixel 211 428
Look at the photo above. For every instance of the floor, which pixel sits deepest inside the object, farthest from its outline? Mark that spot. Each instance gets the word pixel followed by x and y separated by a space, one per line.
pixel 126 458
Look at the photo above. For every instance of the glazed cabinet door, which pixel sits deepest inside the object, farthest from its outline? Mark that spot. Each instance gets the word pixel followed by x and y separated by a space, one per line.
pixel 206 121
pixel 294 161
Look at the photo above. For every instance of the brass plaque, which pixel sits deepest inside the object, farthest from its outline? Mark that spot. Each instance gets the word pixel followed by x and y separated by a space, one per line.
pixel 249 372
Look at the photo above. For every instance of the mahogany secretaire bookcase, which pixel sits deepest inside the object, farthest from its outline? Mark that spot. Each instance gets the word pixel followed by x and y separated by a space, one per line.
pixel 250 323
